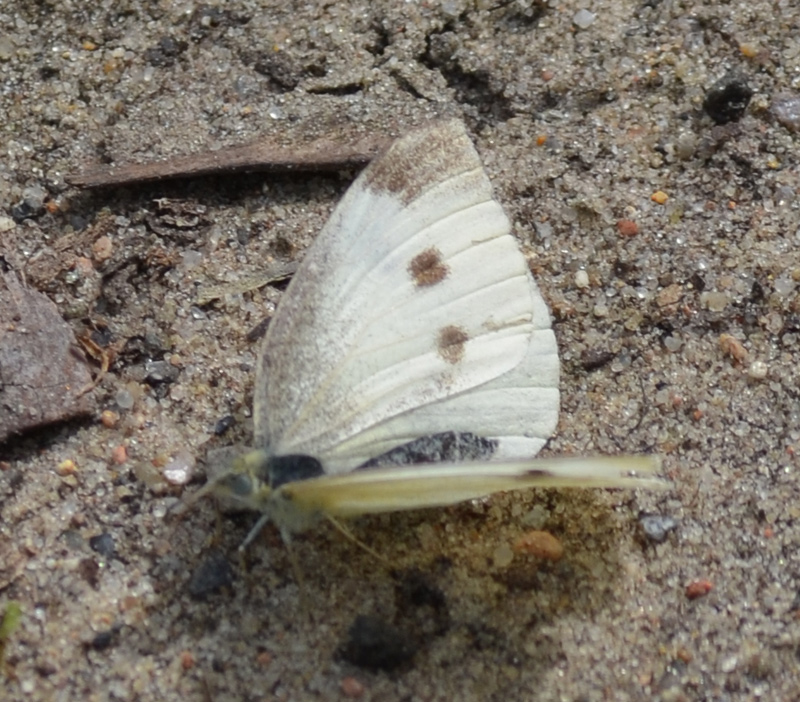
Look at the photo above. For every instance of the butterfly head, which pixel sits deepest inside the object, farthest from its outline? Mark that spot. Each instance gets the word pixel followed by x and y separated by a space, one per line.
pixel 244 483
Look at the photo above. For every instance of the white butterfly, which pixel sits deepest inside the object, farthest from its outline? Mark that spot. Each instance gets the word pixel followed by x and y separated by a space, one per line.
pixel 412 331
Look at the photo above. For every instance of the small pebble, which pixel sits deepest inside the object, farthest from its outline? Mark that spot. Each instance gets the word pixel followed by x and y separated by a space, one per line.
pixel 103 544
pixel 187 660
pixel 749 50
pixel 592 359
pixel 102 640
pixel 758 370
pixel 180 469
pixel 685 145
pixel 119 455
pixel 714 301
pixel 66 467
pixel 160 372
pixel 727 100
pixel 212 575
pixel 673 343
pixel 731 346
pixel 581 279
pixel 102 249
pixel 583 19
pixel 33 198
pixel 659 197
pixel 352 688
pixel 124 399
pixel 656 527
pixel 541 544
pixel 627 227
pixel 785 108
pixel 109 419
pixel 502 556
pixel 224 424
pixel 669 295
pixel 698 588
pixel 28 686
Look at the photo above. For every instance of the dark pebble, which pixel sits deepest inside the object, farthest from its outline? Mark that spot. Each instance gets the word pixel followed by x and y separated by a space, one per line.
pixel 102 640
pixel 103 544
pixel 160 372
pixel 592 359
pixel 224 424
pixel 728 98
pixel 212 575
pixel 164 54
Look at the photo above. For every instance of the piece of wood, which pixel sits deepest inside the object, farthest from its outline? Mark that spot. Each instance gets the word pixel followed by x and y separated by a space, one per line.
pixel 325 154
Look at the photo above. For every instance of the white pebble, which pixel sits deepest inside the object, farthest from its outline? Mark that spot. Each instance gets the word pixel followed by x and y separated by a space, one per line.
pixel 729 664
pixel 180 469
pixel 502 556
pixel 758 370
pixel 581 279
pixel 584 19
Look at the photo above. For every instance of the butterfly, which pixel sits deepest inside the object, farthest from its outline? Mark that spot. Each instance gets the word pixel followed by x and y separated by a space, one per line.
pixel 411 361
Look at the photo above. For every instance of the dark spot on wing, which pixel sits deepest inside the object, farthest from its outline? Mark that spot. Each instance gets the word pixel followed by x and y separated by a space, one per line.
pixel 427 268
pixel 450 343
pixel 446 447
pixel 537 473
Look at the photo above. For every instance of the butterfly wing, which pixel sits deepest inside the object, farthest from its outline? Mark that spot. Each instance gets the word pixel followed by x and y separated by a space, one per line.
pixel 413 295
pixel 515 412
pixel 438 485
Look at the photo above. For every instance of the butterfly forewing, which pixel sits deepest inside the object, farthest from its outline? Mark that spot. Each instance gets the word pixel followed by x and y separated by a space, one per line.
pixel 413 295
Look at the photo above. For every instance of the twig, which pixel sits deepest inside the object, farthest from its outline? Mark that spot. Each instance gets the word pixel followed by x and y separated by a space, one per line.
pixel 323 154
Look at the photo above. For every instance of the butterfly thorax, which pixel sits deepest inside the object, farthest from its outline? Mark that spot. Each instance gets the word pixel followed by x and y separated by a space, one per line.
pixel 261 482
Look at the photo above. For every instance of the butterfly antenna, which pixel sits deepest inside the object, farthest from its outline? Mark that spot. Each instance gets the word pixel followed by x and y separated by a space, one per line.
pixel 349 535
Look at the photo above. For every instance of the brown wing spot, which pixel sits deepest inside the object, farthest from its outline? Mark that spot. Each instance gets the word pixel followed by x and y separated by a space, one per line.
pixel 451 343
pixel 427 268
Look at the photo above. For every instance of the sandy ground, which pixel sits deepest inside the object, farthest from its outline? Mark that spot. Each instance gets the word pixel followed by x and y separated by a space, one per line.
pixel 580 127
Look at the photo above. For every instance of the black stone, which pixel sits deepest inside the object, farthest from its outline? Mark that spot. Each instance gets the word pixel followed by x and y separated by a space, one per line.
pixel 212 575
pixel 224 424
pixel 103 544
pixel 728 98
